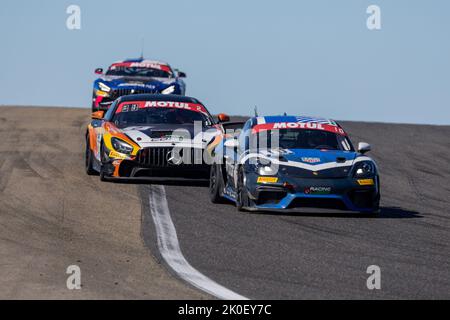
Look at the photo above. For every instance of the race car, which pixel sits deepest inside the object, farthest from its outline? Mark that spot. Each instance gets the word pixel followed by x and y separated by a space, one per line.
pixel 151 136
pixel 288 162
pixel 135 76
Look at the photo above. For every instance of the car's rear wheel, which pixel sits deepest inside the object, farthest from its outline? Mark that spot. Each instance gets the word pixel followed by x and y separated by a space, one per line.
pixel 242 200
pixel 215 183
pixel 89 159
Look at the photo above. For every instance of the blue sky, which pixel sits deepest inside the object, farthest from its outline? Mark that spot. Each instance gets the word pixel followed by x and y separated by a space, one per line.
pixel 312 57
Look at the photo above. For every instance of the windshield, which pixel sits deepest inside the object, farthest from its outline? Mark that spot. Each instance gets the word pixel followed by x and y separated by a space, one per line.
pixel 147 116
pixel 138 72
pixel 304 139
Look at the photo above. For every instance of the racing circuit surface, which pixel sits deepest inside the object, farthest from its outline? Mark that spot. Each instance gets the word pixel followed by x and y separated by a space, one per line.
pixel 52 215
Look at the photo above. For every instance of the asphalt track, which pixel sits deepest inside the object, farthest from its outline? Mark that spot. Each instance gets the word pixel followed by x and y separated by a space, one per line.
pixel 52 215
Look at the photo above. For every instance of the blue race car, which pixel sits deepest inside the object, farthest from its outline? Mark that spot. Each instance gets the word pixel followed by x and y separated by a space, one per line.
pixel 135 76
pixel 284 162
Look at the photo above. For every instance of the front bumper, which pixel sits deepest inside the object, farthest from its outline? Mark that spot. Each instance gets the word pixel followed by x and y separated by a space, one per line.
pixel 337 193
pixel 153 163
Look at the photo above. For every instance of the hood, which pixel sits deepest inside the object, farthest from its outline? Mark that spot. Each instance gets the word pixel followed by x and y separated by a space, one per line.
pixel 181 135
pixel 310 163
pixel 120 82
pixel 317 157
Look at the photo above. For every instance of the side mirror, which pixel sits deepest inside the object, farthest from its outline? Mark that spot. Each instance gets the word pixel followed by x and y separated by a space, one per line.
pixel 181 74
pixel 231 143
pixel 99 71
pixel 364 147
pixel 98 115
pixel 223 118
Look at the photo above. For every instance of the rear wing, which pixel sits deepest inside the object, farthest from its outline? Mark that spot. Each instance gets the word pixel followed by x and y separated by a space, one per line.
pixel 233 125
pixel 233 128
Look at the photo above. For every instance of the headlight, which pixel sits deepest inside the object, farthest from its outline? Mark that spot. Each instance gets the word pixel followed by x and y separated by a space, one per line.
pixel 101 93
pixel 265 168
pixel 168 90
pixel 364 169
pixel 121 146
pixel 266 171
pixel 104 87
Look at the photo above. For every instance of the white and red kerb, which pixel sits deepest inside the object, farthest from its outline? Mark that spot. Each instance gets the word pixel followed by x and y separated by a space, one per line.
pixel 298 125
pixel 161 104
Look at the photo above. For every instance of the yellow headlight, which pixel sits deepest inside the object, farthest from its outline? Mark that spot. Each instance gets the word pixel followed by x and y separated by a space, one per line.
pixel 101 93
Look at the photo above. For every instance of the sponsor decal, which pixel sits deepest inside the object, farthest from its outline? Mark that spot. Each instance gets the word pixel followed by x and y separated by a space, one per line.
pixel 130 107
pixel 149 65
pixel 164 138
pixel 366 182
pixel 318 190
pixel 169 137
pixel 267 180
pixel 114 154
pixel 311 160
pixel 299 125
pixel 136 105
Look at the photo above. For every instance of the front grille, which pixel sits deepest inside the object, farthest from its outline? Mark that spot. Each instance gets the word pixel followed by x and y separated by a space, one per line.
pixel 154 157
pixel 159 157
pixel 333 173
pixel 270 197
pixel 125 92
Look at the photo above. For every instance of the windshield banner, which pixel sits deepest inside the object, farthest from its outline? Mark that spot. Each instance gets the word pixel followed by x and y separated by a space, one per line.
pixel 148 65
pixel 298 125
pixel 131 106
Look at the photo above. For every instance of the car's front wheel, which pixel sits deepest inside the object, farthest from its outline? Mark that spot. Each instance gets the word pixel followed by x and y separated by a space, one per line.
pixel 376 204
pixel 89 159
pixel 376 207
pixel 242 200
pixel 103 156
pixel 215 183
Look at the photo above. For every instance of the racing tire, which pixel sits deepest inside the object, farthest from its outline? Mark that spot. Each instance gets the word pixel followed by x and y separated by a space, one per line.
pixel 374 214
pixel 376 203
pixel 103 175
pixel 215 183
pixel 242 200
pixel 376 208
pixel 89 159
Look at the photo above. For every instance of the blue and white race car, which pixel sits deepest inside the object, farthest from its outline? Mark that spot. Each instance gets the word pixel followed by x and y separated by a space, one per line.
pixel 284 162
pixel 135 76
